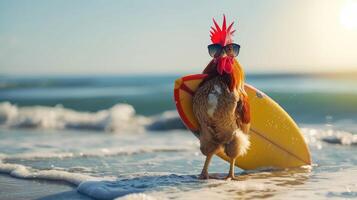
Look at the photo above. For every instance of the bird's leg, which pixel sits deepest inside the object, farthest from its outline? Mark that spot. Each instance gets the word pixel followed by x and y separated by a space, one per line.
pixel 204 173
pixel 231 170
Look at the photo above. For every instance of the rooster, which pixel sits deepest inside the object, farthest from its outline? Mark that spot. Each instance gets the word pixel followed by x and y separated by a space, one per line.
pixel 220 104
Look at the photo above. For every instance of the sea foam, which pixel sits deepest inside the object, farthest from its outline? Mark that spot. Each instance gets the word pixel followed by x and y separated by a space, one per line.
pixel 102 152
pixel 99 188
pixel 139 196
pixel 119 117
pixel 21 171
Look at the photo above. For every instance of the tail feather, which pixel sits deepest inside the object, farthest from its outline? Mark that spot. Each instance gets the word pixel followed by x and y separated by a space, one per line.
pixel 245 113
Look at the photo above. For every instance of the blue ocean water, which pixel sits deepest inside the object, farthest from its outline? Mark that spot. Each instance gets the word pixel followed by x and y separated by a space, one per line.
pixel 120 136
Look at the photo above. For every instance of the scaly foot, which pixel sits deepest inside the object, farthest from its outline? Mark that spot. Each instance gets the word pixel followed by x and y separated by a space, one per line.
pixel 231 177
pixel 205 176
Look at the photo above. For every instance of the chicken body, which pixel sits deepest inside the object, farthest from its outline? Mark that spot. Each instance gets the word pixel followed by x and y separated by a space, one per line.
pixel 218 113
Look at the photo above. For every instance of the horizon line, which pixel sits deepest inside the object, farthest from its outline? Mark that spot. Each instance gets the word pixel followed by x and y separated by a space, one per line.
pixel 247 73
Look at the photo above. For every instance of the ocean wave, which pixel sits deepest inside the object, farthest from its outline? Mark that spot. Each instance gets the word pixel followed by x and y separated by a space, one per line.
pixel 119 117
pixel 122 118
pixel 103 152
pixel 315 136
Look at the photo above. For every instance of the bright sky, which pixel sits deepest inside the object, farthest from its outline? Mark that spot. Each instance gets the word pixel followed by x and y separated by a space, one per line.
pixel 122 37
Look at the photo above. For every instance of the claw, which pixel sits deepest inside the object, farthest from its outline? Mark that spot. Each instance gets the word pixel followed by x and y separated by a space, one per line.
pixel 205 176
pixel 231 177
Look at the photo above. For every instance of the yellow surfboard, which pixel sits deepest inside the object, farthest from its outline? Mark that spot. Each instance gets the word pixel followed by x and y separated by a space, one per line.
pixel 276 140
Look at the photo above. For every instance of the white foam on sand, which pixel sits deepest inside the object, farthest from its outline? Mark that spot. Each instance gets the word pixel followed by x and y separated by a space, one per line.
pixel 139 196
pixel 119 117
pixel 21 171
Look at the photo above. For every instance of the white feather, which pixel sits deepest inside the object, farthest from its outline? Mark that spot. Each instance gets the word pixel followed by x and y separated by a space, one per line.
pixel 244 142
pixel 213 100
pixel 212 104
pixel 217 89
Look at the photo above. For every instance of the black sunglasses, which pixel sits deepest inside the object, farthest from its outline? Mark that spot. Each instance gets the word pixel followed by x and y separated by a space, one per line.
pixel 215 50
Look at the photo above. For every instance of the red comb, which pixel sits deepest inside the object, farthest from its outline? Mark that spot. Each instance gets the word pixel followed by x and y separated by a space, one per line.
pixel 222 36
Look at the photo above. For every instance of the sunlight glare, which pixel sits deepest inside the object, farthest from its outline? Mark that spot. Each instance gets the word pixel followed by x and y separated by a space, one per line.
pixel 348 16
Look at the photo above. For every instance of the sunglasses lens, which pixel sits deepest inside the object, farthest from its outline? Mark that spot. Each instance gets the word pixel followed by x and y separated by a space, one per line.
pixel 234 49
pixel 214 50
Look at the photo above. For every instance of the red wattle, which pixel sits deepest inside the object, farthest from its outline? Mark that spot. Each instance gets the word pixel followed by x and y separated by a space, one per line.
pixel 225 64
